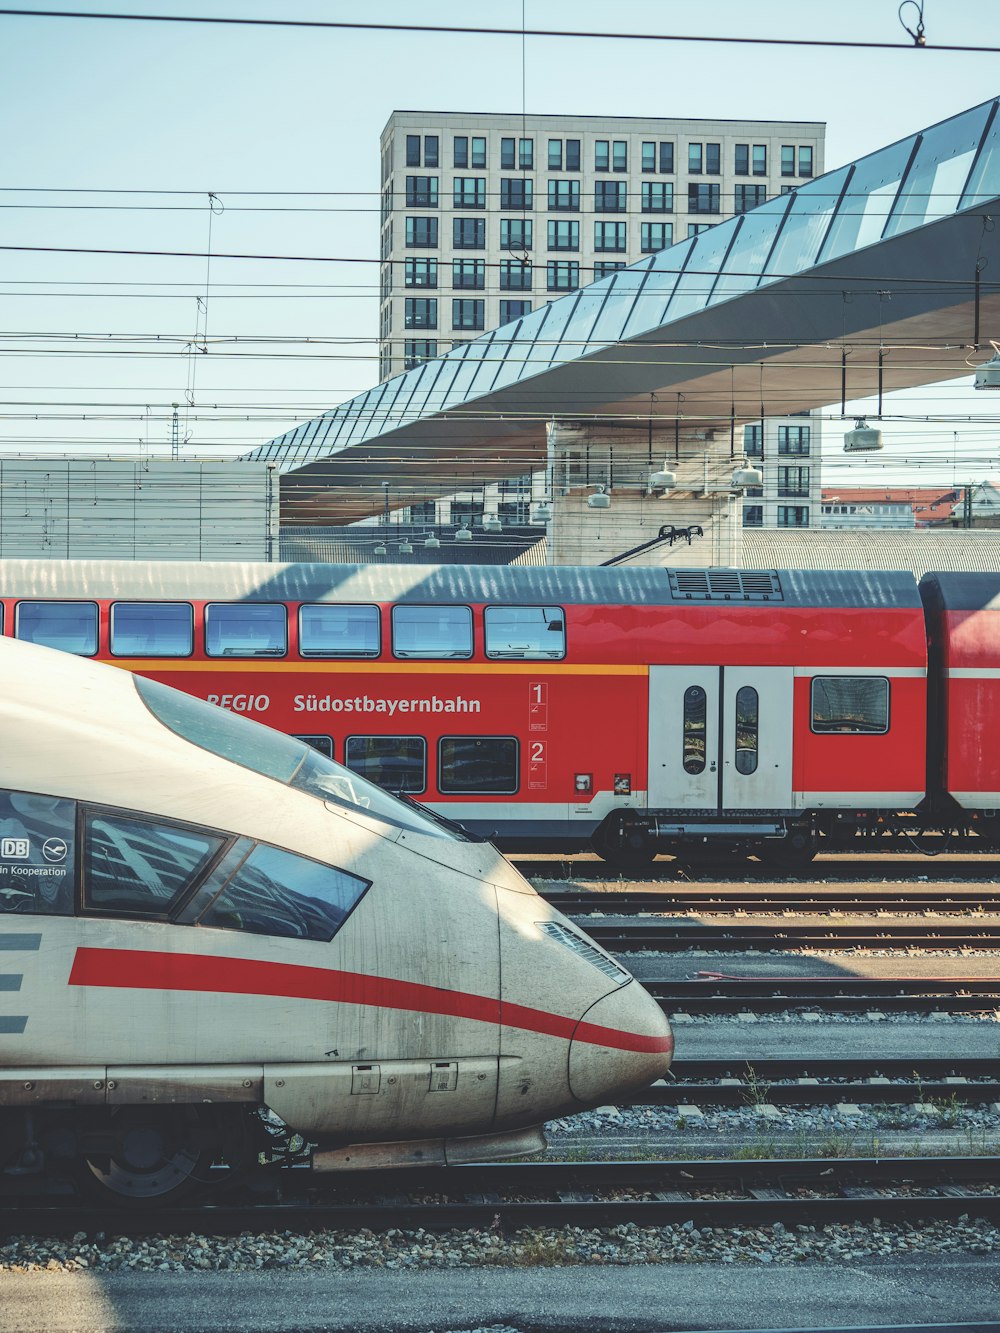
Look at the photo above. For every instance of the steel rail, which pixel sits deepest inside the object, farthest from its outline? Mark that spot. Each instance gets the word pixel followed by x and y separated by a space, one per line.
pixel 792 1191
pixel 897 867
pixel 668 936
pixel 708 994
pixel 804 899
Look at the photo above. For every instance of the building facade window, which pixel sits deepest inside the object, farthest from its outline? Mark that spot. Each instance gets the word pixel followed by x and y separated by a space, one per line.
pixel 514 276
pixel 468 233
pixel 741 159
pixel 418 350
pixel 420 273
pixel 563 275
pixel 421 312
pixel 759 159
pixel 526 154
pixel 602 155
pixel 508 154
pixel 421 192
pixel 805 160
pixel 572 154
pixel 469 192
pixel 460 150
pixel 563 235
pixel 478 155
pixel 603 268
pixel 516 192
pixel 468 273
pixel 793 481
pixel 515 233
pixel 696 228
pixel 749 196
pixel 657 196
pixel 430 150
pixel 788 159
pixel 656 236
pixel 619 155
pixel 753 516
pixel 610 236
pixel 793 439
pixel 667 158
pixel 421 233
pixel 555 155
pixel 704 198
pixel 468 314
pixel 793 516
pixel 753 440
pixel 413 150
pixel 511 310
pixel 696 159
pixel 648 160
pixel 610 197
pixel 564 196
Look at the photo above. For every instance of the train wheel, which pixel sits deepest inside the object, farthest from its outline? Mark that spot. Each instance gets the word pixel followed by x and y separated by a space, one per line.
pixel 793 852
pixel 625 848
pixel 156 1158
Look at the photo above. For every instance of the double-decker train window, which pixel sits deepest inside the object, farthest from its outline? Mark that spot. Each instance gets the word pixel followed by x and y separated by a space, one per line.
pixel 321 744
pixel 747 729
pixel 37 854
pixel 69 626
pixel 525 632
pixel 275 892
pixel 242 629
pixel 485 764
pixel 328 629
pixel 152 629
pixel 694 729
pixel 850 704
pixel 395 763
pixel 141 867
pixel 432 631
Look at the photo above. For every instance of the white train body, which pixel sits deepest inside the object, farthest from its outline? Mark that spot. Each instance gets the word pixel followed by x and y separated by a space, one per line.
pixel 166 965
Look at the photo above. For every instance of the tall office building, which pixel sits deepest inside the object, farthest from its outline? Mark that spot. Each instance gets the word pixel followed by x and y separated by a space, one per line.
pixel 486 217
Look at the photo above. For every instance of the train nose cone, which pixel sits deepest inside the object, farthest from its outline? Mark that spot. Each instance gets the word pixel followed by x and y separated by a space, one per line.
pixel 621 1043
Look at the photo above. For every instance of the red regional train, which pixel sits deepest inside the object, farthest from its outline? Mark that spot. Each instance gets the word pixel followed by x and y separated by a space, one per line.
pixel 638 711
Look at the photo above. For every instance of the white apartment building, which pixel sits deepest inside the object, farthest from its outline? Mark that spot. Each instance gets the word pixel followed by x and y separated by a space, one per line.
pixel 485 217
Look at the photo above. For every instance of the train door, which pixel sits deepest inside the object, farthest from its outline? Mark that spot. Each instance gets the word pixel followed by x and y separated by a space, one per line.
pixel 720 738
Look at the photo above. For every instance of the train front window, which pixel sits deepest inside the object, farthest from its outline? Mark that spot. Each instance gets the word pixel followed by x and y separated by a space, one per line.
pixel 275 892
pixel 280 757
pixel 239 629
pixel 525 632
pixel 330 630
pixel 69 626
pixel 140 867
pixel 152 629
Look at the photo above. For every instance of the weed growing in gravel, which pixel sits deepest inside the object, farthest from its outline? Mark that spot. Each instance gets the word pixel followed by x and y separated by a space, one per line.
pixel 757 1091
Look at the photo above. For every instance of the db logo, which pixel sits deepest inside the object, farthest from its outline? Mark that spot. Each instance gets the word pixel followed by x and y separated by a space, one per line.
pixel 54 849
pixel 15 849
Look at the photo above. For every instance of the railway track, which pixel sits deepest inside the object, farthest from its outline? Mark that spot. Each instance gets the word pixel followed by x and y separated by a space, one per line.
pixel 715 993
pixel 663 935
pixel 843 869
pixel 814 898
pixel 582 1194
pixel 826 1082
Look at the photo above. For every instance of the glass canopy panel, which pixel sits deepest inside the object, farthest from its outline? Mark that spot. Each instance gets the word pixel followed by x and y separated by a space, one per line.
pixel 441 387
pixel 745 261
pixel 352 426
pixel 545 345
pixel 650 305
pixel 806 224
pixel 871 193
pixel 935 181
pixel 422 395
pixel 371 417
pixel 458 390
pixel 319 445
pixel 577 341
pixel 624 289
pixel 411 385
pixel 694 286
pixel 387 418
pixel 984 183
pixel 486 372
pixel 515 355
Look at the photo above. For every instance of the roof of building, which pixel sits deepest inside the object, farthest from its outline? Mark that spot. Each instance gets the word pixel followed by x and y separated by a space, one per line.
pixel 916 550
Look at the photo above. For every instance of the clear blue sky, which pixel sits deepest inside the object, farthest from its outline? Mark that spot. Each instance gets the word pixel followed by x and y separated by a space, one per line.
pixel 116 106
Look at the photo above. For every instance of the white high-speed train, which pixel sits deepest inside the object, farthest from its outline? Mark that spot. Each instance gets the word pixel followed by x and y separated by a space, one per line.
pixel 207 929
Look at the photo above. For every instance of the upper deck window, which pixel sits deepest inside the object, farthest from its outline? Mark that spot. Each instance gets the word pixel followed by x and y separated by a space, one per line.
pixel 69 626
pixel 241 629
pixel 527 632
pixel 330 630
pixel 432 631
pixel 152 629
pixel 846 704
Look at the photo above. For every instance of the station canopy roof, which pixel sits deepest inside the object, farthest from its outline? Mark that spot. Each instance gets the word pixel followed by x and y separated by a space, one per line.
pixel 882 273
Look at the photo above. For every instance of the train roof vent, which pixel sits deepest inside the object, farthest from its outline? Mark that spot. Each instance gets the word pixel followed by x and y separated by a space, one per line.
pixel 725 585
